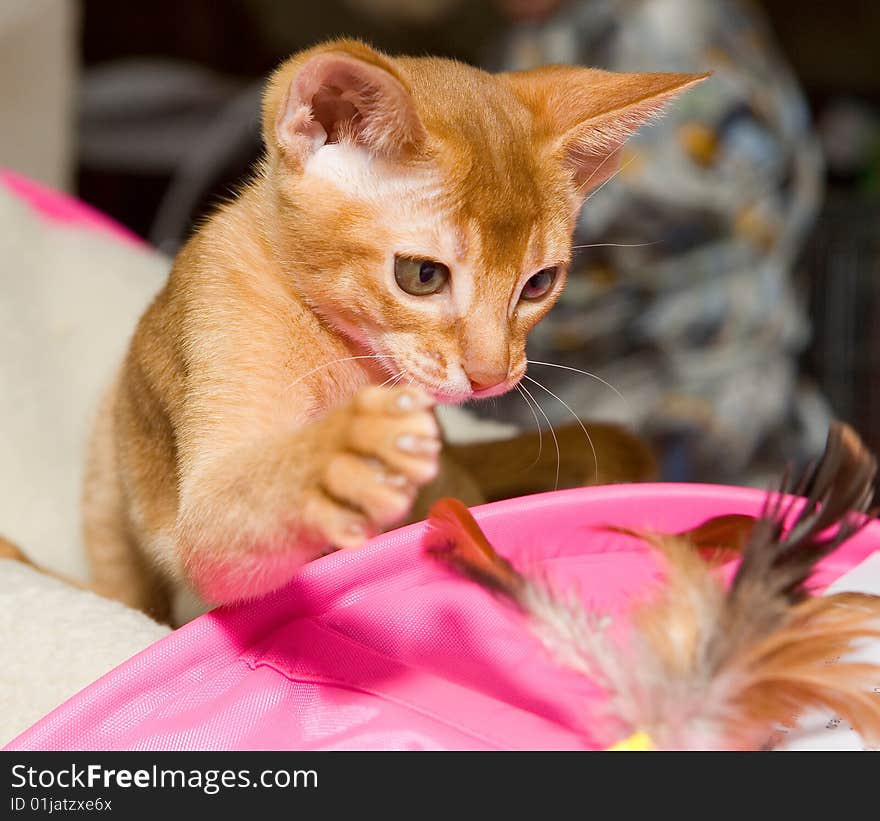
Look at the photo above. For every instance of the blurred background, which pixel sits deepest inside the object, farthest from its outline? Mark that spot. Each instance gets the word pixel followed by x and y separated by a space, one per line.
pixel 731 287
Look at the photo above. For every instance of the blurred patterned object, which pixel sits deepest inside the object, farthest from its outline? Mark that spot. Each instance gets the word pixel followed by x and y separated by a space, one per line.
pixel 682 296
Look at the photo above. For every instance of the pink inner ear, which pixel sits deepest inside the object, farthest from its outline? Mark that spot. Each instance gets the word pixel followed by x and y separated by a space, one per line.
pixel 335 97
pixel 333 109
pixel 592 167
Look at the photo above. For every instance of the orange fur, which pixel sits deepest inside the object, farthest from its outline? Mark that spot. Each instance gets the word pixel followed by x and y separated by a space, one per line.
pixel 243 436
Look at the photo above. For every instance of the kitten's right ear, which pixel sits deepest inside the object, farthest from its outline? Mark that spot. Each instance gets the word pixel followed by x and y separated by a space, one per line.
pixel 343 90
pixel 585 114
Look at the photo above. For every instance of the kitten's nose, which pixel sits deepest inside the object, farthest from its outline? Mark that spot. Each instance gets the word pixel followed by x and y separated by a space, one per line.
pixel 484 381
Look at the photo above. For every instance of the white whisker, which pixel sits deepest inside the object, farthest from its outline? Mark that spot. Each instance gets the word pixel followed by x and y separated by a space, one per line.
pixel 335 362
pixel 552 432
pixel 396 380
pixel 395 377
pixel 576 418
pixel 623 399
pixel 615 245
pixel 537 425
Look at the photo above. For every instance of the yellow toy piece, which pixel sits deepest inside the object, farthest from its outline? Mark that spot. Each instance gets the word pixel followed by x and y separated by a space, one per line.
pixel 637 742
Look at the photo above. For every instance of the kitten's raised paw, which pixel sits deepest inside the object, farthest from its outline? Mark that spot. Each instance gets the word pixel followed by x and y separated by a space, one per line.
pixel 389 448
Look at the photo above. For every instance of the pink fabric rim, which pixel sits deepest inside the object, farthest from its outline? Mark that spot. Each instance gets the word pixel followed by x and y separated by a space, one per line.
pixel 269 651
pixel 61 208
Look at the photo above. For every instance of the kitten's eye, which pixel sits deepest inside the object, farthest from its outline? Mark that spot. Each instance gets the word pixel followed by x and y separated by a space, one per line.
pixel 420 277
pixel 539 284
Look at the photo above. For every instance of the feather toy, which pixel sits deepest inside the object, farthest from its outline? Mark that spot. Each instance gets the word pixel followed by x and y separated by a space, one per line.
pixel 704 665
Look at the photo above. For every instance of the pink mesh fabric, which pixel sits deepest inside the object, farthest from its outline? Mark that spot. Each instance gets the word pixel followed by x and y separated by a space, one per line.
pixel 382 648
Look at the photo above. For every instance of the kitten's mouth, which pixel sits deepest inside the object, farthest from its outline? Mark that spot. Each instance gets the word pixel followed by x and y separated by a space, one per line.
pixel 447 396
pixel 441 394
pixel 495 390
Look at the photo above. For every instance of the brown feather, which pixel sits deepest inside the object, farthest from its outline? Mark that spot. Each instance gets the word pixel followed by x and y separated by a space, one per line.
pixel 718 540
pixel 804 658
pixel 572 636
pixel 779 558
pixel 724 666
pixel 728 532
pixel 839 492
pixel 457 539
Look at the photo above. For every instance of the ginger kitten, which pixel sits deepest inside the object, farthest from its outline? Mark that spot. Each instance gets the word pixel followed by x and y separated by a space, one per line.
pixel 409 224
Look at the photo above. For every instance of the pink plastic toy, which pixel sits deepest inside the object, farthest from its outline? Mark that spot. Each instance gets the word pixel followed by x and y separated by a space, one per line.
pixel 382 648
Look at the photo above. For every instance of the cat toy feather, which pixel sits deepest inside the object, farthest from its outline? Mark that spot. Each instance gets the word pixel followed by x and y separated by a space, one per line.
pixel 704 665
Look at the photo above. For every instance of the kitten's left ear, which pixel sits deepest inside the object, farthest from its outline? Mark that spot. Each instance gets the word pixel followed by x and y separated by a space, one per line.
pixel 340 90
pixel 585 115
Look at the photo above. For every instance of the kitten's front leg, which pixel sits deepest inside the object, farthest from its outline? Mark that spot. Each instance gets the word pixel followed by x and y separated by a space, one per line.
pixel 246 525
pixel 387 447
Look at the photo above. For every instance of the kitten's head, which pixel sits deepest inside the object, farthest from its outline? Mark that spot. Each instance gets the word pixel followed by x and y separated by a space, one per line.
pixel 425 208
